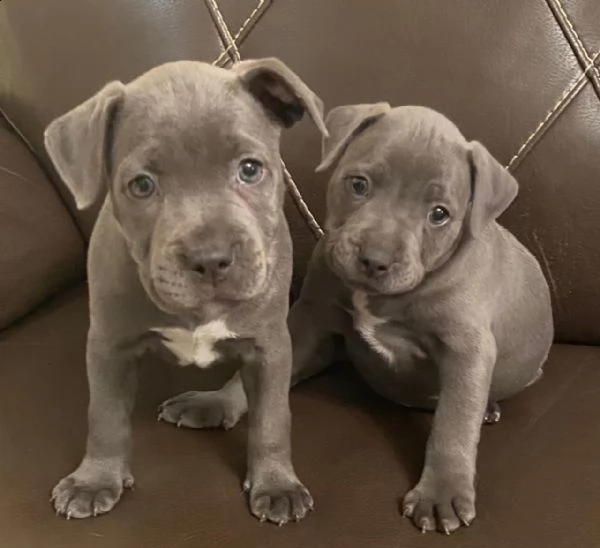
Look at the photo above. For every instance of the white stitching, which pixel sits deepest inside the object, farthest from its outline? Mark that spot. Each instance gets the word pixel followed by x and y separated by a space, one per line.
pixel 551 112
pixel 301 205
pixel 249 19
pixel 584 52
pixel 15 174
pixel 225 29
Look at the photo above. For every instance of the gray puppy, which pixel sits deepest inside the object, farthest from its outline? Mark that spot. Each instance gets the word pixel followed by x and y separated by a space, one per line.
pixel 439 306
pixel 191 252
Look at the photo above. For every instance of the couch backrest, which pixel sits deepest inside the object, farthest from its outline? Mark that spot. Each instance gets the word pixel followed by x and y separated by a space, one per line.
pixel 522 77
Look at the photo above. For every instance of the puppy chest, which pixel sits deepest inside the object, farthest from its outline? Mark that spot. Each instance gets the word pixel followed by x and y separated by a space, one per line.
pixel 198 346
pixel 384 336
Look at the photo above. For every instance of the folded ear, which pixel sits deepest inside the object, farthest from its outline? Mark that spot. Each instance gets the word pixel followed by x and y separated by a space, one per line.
pixel 344 124
pixel 280 91
pixel 78 143
pixel 493 188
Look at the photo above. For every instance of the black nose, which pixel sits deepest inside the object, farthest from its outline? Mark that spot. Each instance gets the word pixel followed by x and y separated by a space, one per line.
pixel 375 262
pixel 212 259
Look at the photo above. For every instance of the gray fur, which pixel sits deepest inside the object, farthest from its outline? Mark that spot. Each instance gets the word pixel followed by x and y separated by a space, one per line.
pixel 157 264
pixel 461 315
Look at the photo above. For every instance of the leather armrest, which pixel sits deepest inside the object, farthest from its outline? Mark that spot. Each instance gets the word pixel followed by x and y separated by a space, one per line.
pixel 41 250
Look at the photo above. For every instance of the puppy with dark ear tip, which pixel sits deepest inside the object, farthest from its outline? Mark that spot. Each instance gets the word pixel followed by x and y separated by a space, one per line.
pixel 191 255
pixel 439 306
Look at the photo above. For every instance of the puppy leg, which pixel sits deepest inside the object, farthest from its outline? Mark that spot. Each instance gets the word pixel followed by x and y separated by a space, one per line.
pixel 97 484
pixel 311 328
pixel 445 495
pixel 313 351
pixel 275 492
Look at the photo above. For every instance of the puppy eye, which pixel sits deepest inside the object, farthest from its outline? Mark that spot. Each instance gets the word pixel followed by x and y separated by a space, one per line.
pixel 359 185
pixel 141 187
pixel 250 171
pixel 438 216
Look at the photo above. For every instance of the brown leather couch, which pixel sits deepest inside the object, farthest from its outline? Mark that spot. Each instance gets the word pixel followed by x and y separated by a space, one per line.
pixel 520 75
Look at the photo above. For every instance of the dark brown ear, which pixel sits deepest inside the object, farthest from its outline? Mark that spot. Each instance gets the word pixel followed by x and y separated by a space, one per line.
pixel 280 91
pixel 344 124
pixel 493 188
pixel 78 143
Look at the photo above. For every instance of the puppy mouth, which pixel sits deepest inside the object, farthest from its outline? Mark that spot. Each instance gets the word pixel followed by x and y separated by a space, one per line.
pixel 389 284
pixel 397 279
pixel 178 287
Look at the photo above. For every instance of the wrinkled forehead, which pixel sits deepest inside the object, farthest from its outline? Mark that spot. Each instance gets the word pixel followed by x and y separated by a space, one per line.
pixel 412 153
pixel 193 113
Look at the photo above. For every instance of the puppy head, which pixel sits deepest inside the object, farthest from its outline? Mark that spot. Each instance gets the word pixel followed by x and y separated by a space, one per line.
pixel 406 189
pixel 189 154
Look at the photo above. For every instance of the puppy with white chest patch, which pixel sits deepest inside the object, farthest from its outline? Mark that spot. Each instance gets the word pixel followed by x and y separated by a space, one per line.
pixel 449 311
pixel 191 253
pixel 439 306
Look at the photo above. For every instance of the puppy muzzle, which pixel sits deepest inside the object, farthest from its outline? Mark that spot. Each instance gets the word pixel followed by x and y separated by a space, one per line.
pixel 207 265
pixel 380 269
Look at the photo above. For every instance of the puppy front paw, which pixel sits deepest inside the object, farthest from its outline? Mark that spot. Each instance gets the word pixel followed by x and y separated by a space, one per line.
pixel 88 495
pixel 442 504
pixel 279 501
pixel 200 410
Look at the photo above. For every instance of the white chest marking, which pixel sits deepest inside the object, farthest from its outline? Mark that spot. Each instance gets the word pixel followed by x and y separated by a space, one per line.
pixel 365 323
pixel 195 347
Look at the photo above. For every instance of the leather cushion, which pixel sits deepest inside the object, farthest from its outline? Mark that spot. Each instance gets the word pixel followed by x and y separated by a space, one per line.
pixel 538 481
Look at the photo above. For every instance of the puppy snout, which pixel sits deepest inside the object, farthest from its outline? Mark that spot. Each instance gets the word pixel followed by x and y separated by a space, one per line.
pixel 212 258
pixel 375 262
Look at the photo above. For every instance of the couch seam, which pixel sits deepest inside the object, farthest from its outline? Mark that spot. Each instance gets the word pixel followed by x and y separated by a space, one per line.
pixel 574 40
pixel 16 175
pixel 250 19
pixel 20 135
pixel 292 188
pixel 223 30
pixel 572 90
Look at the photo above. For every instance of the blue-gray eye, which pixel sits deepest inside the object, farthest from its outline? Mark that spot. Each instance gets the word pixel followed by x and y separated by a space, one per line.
pixel 359 185
pixel 439 215
pixel 250 171
pixel 141 187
